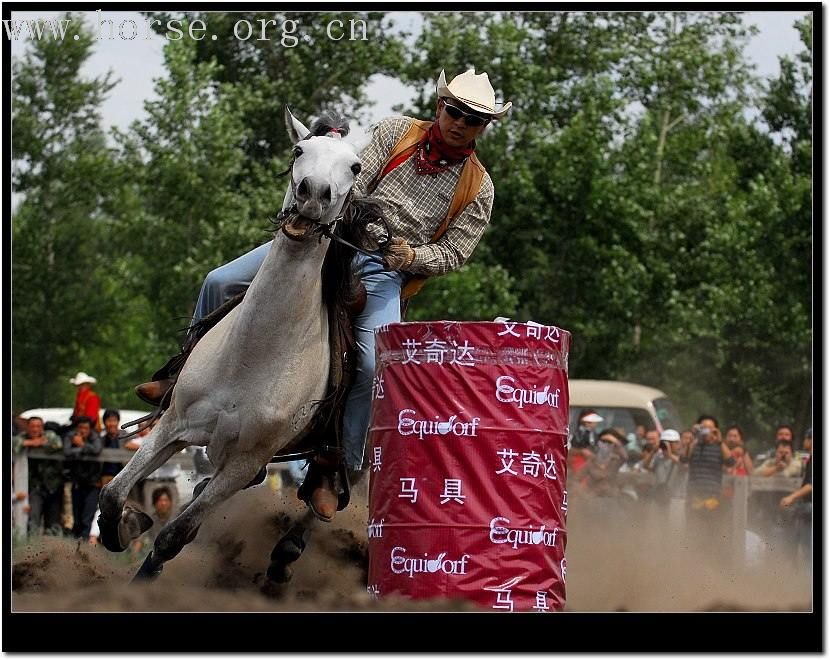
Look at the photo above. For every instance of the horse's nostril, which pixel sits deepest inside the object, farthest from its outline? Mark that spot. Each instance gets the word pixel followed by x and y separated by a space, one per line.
pixel 302 189
pixel 327 194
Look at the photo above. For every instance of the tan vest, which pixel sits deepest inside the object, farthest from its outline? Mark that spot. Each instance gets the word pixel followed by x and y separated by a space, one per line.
pixel 466 190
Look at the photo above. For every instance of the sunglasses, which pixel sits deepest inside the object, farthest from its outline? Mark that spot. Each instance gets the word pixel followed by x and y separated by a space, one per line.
pixel 469 120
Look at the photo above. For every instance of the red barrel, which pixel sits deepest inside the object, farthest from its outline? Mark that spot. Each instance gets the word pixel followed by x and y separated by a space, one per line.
pixel 467 454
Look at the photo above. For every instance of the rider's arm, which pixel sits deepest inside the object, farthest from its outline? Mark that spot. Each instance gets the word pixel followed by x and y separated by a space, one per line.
pixel 450 251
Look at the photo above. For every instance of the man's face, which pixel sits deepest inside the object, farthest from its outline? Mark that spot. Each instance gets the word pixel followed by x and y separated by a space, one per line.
pixel 783 434
pixel 640 431
pixel 34 428
pixel 686 438
pixel 111 424
pixel 784 454
pixel 652 438
pixel 708 424
pixel 733 438
pixel 589 425
pixel 84 429
pixel 456 132
pixel 163 504
pixel 609 439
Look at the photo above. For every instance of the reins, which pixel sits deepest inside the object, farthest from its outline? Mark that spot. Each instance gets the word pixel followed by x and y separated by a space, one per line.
pixel 327 230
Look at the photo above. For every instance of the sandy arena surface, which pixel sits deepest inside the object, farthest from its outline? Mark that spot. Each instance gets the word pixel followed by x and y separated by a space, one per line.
pixel 618 560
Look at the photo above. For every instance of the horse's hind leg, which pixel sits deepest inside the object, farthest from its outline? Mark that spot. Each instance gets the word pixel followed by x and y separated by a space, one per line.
pixel 290 547
pixel 229 479
pixel 118 525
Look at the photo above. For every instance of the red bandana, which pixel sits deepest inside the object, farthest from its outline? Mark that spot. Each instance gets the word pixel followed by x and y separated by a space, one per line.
pixel 434 155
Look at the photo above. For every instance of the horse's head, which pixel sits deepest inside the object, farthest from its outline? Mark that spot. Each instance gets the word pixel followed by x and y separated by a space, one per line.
pixel 323 170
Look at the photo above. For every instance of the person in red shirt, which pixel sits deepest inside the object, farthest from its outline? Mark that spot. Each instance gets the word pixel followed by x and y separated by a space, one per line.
pixel 87 402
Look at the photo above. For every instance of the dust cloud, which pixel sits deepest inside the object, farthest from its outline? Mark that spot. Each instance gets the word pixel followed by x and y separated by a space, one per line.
pixel 618 560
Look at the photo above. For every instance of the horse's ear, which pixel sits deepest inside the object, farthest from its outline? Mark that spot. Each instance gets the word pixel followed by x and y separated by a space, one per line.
pixel 295 128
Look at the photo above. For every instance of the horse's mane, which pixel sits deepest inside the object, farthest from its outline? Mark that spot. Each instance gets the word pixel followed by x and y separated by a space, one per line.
pixel 339 279
pixel 328 121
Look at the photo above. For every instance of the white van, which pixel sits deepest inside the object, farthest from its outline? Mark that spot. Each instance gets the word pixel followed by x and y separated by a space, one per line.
pixel 61 415
pixel 623 405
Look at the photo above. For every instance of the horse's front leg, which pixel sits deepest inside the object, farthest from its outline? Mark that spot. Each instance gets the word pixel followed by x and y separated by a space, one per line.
pixel 232 477
pixel 120 525
pixel 290 547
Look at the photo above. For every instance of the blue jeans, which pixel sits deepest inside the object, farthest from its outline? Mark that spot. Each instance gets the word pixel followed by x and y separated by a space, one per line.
pixel 383 305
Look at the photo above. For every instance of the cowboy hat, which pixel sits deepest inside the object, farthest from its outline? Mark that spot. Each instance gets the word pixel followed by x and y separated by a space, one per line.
pixel 82 378
pixel 474 91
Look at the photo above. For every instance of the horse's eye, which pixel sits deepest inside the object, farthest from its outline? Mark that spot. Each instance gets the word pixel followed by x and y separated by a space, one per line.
pixel 298 151
pixel 356 169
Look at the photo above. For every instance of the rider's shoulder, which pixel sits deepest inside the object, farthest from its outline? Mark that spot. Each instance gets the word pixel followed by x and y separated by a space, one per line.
pixel 487 188
pixel 391 129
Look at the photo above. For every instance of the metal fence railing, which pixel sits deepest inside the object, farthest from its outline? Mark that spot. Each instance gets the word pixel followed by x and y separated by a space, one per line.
pixel 743 488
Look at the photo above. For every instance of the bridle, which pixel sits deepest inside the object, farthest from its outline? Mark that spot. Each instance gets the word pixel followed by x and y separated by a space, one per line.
pixel 323 229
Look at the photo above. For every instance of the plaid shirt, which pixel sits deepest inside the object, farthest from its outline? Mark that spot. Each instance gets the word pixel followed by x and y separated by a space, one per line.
pixel 415 205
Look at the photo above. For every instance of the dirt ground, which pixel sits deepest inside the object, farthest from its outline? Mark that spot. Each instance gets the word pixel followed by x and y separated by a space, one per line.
pixel 617 561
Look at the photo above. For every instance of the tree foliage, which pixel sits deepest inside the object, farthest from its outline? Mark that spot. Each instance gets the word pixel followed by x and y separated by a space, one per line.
pixel 65 174
pixel 653 194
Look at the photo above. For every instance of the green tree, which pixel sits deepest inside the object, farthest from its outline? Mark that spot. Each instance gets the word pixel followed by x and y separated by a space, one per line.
pixel 201 200
pixel 62 172
pixel 297 64
pixel 636 204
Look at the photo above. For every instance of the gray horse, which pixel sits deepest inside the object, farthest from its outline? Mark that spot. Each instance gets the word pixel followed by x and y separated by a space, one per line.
pixel 249 385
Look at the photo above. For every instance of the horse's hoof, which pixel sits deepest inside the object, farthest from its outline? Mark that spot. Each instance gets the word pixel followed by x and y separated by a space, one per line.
pixel 109 536
pixel 279 572
pixel 149 570
pixel 288 550
pixel 133 524
pixel 116 537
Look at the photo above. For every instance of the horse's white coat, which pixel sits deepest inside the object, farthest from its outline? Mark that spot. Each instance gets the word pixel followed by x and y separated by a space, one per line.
pixel 248 382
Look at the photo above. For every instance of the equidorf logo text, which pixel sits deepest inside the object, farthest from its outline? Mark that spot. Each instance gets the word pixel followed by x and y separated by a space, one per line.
pixel 508 392
pixel 375 529
pixel 408 424
pixel 517 537
pixel 401 564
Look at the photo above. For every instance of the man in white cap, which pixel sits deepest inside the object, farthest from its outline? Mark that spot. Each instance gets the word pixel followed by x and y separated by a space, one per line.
pixel 87 402
pixel 585 436
pixel 436 198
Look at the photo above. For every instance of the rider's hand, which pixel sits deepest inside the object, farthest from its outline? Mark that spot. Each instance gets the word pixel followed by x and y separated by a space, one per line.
pixel 399 255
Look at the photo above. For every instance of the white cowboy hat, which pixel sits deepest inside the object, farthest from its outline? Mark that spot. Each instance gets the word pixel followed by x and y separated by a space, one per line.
pixel 474 91
pixel 82 378
pixel 591 417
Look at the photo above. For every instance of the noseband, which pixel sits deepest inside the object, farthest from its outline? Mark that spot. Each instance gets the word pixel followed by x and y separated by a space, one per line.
pixel 322 229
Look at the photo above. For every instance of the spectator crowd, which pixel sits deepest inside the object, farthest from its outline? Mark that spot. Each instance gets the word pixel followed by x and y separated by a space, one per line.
pixel 699 466
pixel 61 497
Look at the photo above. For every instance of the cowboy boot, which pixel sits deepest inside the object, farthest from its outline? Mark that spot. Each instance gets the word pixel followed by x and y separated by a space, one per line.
pixel 319 490
pixel 154 391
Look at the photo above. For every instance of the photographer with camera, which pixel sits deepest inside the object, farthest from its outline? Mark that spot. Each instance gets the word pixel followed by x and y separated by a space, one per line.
pixel 781 464
pixel 706 457
pixel 661 462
